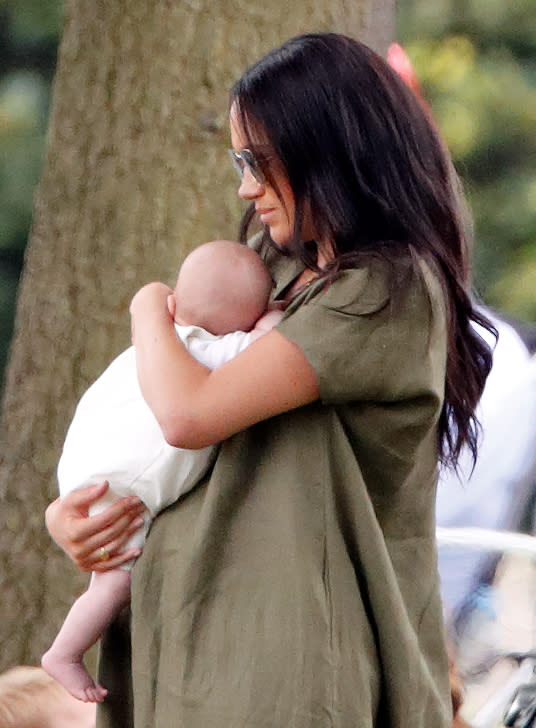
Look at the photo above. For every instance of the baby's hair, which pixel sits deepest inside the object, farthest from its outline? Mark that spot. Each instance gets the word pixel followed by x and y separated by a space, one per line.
pixel 223 286
pixel 23 692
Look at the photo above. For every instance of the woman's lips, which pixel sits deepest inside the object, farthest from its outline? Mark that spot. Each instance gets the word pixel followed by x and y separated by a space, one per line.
pixel 264 214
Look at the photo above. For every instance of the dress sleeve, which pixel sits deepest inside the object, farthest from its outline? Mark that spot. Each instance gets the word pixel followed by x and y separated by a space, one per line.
pixel 367 341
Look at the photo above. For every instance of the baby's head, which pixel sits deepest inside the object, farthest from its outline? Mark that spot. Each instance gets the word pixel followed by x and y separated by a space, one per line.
pixel 222 286
pixel 30 698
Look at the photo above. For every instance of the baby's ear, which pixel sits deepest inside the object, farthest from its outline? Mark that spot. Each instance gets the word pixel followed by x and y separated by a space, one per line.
pixel 172 305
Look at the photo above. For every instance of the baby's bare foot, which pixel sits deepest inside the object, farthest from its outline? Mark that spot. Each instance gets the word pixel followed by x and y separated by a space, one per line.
pixel 74 677
pixel 96 694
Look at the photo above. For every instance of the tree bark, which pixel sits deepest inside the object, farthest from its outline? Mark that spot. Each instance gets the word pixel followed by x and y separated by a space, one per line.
pixel 135 175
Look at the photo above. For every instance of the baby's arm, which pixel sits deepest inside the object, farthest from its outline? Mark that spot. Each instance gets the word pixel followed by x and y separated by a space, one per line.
pixel 266 323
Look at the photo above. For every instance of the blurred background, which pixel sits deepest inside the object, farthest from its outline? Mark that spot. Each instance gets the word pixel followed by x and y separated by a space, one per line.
pixel 476 60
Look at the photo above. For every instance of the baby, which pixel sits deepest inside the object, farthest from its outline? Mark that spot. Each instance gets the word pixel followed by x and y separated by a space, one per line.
pixel 219 307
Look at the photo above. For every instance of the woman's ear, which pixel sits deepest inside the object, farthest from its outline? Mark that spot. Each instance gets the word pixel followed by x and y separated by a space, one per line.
pixel 172 305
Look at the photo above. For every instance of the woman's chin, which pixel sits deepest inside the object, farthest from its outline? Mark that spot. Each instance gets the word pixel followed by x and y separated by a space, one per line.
pixel 280 239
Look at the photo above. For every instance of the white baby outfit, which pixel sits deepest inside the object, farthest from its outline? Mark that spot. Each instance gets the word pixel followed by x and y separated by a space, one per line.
pixel 114 435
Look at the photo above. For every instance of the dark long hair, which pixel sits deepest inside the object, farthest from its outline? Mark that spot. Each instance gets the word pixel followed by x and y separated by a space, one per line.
pixel 369 167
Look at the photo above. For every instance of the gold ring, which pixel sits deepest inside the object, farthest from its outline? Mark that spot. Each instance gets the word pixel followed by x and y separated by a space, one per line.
pixel 104 555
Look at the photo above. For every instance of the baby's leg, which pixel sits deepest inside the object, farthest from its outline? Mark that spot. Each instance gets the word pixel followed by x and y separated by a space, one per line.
pixel 108 593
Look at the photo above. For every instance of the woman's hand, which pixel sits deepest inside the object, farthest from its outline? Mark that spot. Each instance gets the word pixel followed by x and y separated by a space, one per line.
pixel 151 298
pixel 86 538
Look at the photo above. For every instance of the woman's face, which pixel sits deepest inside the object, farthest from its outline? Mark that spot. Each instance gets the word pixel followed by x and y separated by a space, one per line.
pixel 275 211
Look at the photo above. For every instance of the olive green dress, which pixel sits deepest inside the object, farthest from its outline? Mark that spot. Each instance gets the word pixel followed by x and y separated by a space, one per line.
pixel 297 586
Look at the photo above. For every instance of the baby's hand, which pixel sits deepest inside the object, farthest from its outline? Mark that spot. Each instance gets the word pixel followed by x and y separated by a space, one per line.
pixel 266 323
pixel 268 320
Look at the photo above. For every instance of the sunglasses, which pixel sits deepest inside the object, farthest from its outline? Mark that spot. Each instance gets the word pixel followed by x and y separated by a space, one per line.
pixel 245 159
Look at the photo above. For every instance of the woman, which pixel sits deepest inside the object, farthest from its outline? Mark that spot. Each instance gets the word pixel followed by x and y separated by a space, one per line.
pixel 298 585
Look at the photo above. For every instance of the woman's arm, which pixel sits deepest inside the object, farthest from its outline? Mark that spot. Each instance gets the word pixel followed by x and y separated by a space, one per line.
pixel 195 406
pixel 82 536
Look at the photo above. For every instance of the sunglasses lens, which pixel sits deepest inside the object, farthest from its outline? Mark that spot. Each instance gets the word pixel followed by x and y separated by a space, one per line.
pixel 237 161
pixel 253 166
pixel 245 159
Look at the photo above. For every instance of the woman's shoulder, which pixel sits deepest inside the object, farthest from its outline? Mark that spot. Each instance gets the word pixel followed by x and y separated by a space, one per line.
pixel 373 332
pixel 356 291
pixel 378 285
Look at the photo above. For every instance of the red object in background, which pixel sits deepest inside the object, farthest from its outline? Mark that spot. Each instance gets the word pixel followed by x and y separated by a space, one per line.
pixel 399 60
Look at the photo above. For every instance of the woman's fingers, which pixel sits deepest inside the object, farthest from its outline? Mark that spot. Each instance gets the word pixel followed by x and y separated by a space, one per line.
pixel 109 554
pixel 111 537
pixel 81 499
pixel 111 521
pixel 96 563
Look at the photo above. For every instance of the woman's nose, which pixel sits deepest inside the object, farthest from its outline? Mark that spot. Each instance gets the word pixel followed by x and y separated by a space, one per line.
pixel 250 188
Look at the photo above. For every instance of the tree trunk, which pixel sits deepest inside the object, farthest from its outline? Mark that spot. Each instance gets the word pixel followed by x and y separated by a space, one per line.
pixel 136 174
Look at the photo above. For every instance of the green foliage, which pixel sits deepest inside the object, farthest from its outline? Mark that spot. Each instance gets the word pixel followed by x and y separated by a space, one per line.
pixel 476 60
pixel 23 97
pixel 33 22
